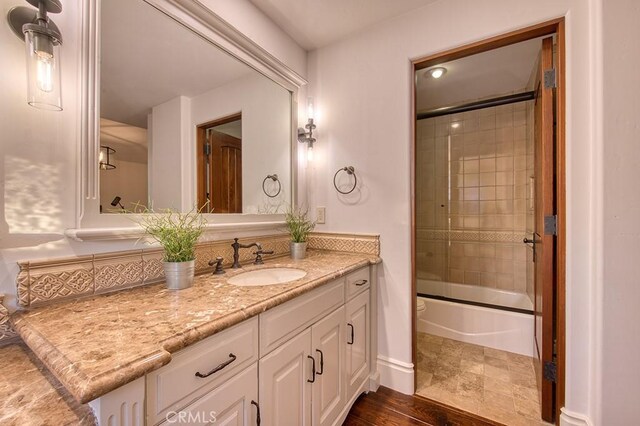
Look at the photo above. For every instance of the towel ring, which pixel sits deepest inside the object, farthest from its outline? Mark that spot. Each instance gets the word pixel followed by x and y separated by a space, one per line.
pixel 350 171
pixel 273 177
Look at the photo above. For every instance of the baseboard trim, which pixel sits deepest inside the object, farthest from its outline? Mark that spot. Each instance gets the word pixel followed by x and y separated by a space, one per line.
pixel 374 381
pixel 397 375
pixel 570 418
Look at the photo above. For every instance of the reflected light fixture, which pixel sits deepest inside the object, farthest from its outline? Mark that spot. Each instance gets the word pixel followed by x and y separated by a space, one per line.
pixel 43 40
pixel 116 202
pixel 306 136
pixel 437 72
pixel 105 159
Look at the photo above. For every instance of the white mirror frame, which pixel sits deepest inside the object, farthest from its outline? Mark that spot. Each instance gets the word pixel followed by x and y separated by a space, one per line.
pixel 91 225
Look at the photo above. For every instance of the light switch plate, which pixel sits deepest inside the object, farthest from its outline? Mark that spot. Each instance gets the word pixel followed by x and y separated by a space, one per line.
pixel 320 214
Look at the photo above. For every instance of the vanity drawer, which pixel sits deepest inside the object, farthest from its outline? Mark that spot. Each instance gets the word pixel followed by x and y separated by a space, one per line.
pixel 357 281
pixel 218 357
pixel 283 322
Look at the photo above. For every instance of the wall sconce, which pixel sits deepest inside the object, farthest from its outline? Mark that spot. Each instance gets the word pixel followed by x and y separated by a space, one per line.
pixel 43 40
pixel 306 136
pixel 105 157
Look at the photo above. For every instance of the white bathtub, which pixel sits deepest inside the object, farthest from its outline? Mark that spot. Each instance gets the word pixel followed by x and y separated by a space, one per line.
pixel 473 293
pixel 494 328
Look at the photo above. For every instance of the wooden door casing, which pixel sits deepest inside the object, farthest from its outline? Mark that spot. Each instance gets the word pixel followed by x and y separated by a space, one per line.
pixel 219 168
pixel 544 268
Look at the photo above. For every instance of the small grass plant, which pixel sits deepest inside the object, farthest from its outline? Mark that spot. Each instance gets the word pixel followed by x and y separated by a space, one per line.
pixel 298 224
pixel 176 232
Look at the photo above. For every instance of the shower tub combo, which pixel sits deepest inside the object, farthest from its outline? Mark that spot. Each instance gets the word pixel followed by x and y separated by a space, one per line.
pixel 484 316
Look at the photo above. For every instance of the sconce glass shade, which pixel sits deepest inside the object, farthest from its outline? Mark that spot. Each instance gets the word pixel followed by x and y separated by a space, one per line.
pixel 43 70
pixel 106 157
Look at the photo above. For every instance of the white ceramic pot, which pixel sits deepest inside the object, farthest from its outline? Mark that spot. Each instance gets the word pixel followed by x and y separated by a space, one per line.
pixel 179 275
pixel 298 250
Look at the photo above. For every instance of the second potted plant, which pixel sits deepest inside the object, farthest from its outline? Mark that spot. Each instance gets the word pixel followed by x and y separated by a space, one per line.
pixel 299 227
pixel 178 235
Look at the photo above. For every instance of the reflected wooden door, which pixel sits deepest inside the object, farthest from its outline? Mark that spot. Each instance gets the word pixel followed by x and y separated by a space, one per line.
pixel 219 172
pixel 545 230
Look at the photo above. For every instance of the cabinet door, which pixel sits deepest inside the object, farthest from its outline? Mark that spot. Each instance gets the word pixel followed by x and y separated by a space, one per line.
pixel 328 347
pixel 233 403
pixel 285 393
pixel 358 342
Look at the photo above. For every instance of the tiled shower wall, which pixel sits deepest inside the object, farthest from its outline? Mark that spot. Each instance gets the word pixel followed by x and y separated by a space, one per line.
pixel 472 188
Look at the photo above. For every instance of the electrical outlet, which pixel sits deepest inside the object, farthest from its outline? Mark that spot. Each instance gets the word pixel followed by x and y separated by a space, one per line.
pixel 320 214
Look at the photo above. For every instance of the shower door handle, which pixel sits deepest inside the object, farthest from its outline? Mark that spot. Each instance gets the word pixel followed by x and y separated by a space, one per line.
pixel 533 243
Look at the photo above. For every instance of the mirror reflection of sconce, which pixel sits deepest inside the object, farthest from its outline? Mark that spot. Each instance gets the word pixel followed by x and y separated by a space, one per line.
pixel 105 158
pixel 116 202
pixel 306 136
pixel 43 40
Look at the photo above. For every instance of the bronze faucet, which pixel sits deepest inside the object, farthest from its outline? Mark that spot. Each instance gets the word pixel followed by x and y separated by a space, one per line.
pixel 236 248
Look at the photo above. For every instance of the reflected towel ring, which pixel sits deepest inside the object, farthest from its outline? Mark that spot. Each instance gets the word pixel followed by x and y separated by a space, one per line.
pixel 350 171
pixel 273 177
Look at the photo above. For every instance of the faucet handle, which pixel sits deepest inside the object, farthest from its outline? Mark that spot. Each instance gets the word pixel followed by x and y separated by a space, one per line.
pixel 218 263
pixel 259 254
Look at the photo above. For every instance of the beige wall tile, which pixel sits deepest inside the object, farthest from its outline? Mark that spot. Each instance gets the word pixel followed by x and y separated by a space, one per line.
pixel 487 179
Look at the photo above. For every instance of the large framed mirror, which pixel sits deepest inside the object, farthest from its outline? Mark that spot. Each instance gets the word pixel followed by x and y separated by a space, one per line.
pixel 182 112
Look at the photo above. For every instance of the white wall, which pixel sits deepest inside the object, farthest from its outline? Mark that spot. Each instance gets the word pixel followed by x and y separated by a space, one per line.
pixel 39 150
pixel 128 181
pixel 167 156
pixel 362 88
pixel 621 292
pixel 266 133
pixel 250 20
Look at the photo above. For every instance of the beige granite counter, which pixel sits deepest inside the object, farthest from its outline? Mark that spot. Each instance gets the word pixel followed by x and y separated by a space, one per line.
pixel 96 345
pixel 30 395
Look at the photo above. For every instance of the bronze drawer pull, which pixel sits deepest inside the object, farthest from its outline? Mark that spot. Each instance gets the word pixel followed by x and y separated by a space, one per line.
pixel 351 342
pixel 232 358
pixel 257 412
pixel 321 362
pixel 313 369
pixel 361 282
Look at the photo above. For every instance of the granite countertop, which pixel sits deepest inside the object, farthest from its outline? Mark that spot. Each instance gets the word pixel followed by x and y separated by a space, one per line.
pixel 30 395
pixel 98 344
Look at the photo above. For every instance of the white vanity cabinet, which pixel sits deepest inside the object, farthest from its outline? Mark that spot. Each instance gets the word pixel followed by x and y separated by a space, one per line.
pixel 302 363
pixel 358 343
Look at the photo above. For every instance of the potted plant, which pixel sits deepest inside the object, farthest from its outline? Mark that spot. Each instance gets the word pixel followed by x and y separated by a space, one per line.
pixel 299 227
pixel 178 235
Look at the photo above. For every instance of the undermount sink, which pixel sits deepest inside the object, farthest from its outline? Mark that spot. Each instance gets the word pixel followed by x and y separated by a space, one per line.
pixel 268 276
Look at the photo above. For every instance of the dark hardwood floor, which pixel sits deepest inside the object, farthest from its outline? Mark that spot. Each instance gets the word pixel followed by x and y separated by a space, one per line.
pixel 388 407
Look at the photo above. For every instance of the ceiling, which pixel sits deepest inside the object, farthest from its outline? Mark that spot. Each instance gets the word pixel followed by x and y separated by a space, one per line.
pixel 497 72
pixel 148 59
pixel 317 23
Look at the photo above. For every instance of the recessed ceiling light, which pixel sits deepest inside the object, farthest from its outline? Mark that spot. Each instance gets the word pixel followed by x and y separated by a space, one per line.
pixel 437 72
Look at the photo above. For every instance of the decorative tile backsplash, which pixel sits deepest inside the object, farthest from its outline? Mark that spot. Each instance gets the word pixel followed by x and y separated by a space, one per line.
pixel 46 281
pixel 6 332
pixel 368 244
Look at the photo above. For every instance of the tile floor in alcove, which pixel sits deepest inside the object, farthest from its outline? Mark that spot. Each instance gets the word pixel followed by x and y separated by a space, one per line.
pixel 494 384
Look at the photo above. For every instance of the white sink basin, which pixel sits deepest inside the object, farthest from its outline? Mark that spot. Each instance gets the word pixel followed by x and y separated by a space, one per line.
pixel 267 276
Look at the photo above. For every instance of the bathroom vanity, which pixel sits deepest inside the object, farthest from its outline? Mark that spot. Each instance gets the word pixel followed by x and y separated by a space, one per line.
pixel 294 353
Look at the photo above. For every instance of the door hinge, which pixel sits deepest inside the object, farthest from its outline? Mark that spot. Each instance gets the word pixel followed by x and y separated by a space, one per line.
pixel 550 78
pixel 551 225
pixel 207 149
pixel 550 371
